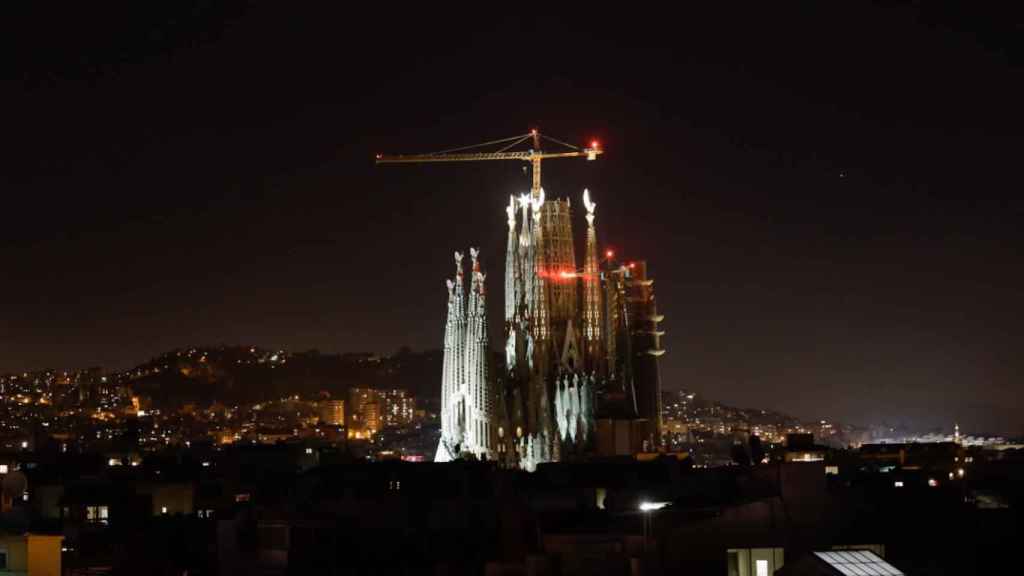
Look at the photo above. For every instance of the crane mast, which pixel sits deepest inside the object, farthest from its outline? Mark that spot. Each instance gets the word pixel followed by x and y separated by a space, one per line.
pixel 534 155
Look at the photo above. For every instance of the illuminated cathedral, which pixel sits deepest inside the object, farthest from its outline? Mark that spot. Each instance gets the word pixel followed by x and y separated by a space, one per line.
pixel 467 392
pixel 579 344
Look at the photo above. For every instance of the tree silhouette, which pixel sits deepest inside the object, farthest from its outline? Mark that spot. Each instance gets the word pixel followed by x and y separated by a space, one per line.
pixel 756 449
pixel 739 454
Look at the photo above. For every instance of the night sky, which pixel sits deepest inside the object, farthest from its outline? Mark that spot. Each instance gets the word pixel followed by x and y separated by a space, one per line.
pixel 829 198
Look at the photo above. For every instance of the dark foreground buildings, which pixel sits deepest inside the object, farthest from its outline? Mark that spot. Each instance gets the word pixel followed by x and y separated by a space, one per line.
pixel 303 509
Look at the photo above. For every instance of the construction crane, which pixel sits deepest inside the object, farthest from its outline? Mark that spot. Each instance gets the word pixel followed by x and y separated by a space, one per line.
pixel 533 155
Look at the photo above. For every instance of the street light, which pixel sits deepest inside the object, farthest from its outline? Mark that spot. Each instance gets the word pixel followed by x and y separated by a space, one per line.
pixel 647 508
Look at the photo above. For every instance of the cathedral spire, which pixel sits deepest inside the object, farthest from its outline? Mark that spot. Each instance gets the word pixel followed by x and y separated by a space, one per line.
pixel 511 268
pixel 591 291
pixel 539 311
pixel 526 258
pixel 452 408
pixel 477 390
pixel 513 281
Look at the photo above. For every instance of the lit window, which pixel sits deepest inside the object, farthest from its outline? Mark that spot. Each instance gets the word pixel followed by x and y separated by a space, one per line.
pixel 832 470
pixel 762 568
pixel 163 509
pixel 3 468
pixel 309 450
pixel 898 484
pixel 97 514
pixel 241 497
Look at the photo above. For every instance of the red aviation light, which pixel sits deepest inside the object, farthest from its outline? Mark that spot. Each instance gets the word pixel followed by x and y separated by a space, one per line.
pixel 558 275
pixel 610 254
pixel 632 264
pixel 594 144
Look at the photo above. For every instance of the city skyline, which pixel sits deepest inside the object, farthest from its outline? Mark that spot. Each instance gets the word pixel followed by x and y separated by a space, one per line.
pixel 830 233
pixel 46 387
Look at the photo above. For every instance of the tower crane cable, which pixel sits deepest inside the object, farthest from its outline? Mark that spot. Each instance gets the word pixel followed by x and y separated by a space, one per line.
pixel 516 143
pixel 481 145
pixel 566 144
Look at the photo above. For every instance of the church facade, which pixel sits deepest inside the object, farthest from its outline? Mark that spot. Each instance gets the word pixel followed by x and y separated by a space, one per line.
pixel 579 343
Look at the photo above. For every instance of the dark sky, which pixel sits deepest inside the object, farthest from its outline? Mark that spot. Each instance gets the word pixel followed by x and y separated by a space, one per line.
pixel 828 197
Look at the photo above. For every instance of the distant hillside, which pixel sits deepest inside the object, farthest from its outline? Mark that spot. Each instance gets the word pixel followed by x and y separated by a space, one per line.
pixel 236 374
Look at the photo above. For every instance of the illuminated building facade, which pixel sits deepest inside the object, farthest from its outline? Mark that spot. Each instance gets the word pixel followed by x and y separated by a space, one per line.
pixel 364 412
pixel 333 412
pixel 549 370
pixel 572 337
pixel 398 408
pixel 30 554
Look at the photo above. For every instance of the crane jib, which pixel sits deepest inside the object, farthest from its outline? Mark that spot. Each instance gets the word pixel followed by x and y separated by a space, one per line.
pixel 524 156
pixel 533 156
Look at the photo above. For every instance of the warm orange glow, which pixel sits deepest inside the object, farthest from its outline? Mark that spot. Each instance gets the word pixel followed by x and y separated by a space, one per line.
pixel 559 275
pixel 533 131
